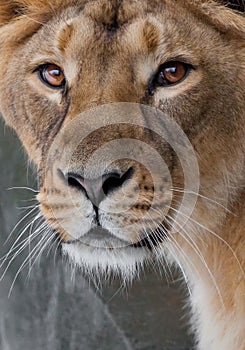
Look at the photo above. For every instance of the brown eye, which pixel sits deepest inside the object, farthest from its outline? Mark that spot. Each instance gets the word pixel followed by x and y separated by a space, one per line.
pixel 172 73
pixel 52 75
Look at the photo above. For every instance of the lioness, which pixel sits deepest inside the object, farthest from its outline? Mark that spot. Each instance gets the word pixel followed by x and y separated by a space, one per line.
pixel 157 88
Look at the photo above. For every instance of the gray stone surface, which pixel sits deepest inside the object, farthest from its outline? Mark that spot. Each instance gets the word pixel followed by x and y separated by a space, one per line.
pixel 53 311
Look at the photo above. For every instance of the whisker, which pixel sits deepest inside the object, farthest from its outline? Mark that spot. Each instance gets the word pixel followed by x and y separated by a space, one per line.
pixel 215 235
pixel 28 17
pixel 40 252
pixel 13 247
pixel 180 266
pixel 192 229
pixel 122 287
pixel 28 207
pixel 29 200
pixel 57 246
pixel 22 188
pixel 23 265
pixel 164 263
pixel 56 240
pixel 186 258
pixel 175 189
pixel 19 222
pixel 192 244
pixel 23 246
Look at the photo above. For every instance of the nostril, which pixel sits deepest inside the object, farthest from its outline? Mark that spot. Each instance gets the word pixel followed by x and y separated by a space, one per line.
pixel 75 181
pixel 71 179
pixel 114 181
pixel 111 181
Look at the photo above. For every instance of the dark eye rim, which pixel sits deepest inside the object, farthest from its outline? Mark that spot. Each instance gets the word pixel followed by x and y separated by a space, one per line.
pixel 153 84
pixel 40 69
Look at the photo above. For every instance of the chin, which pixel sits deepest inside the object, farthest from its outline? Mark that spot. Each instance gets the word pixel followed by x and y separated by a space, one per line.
pixel 105 258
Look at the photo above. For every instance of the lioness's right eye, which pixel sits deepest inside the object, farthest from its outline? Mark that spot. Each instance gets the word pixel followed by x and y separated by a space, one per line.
pixel 171 73
pixel 52 75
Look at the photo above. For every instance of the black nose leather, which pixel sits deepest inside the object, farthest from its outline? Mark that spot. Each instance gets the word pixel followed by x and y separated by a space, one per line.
pixel 97 189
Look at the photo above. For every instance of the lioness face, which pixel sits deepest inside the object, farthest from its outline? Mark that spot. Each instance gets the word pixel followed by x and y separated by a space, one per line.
pixel 125 110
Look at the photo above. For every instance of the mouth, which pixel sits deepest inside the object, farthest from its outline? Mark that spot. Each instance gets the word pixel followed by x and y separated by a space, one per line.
pixel 99 237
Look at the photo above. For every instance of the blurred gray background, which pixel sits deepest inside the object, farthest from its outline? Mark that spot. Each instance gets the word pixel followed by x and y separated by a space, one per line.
pixel 54 310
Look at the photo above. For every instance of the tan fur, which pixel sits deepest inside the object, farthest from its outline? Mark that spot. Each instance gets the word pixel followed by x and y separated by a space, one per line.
pixel 106 64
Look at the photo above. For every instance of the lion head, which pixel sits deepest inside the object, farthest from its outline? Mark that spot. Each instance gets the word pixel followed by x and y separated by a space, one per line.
pixel 133 113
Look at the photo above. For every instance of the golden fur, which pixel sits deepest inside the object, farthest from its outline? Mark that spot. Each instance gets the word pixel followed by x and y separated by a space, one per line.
pixel 109 50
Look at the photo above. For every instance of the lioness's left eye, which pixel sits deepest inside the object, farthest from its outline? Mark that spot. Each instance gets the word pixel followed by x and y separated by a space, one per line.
pixel 52 75
pixel 171 73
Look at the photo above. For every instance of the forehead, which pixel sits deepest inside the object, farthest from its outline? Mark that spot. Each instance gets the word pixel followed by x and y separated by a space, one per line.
pixel 102 28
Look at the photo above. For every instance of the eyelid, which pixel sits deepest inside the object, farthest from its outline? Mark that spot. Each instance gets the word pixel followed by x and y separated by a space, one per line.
pixel 42 60
pixel 183 58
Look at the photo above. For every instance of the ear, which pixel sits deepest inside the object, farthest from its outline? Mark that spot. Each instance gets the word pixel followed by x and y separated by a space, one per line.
pixel 221 15
pixel 238 5
pixel 8 11
pixel 21 18
pixel 15 22
pixel 15 9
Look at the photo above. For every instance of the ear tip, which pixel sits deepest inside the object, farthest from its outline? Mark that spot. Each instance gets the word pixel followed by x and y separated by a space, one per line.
pixel 9 10
pixel 238 5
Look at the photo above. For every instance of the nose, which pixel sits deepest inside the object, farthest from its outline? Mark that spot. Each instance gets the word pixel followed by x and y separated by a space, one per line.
pixel 97 189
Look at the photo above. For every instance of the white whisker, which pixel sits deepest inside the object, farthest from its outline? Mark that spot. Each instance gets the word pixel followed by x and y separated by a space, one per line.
pixel 215 235
pixel 175 189
pixel 19 222
pixel 22 188
pixel 48 232
pixel 192 244
pixel 23 265
pixel 14 245
pixel 25 243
